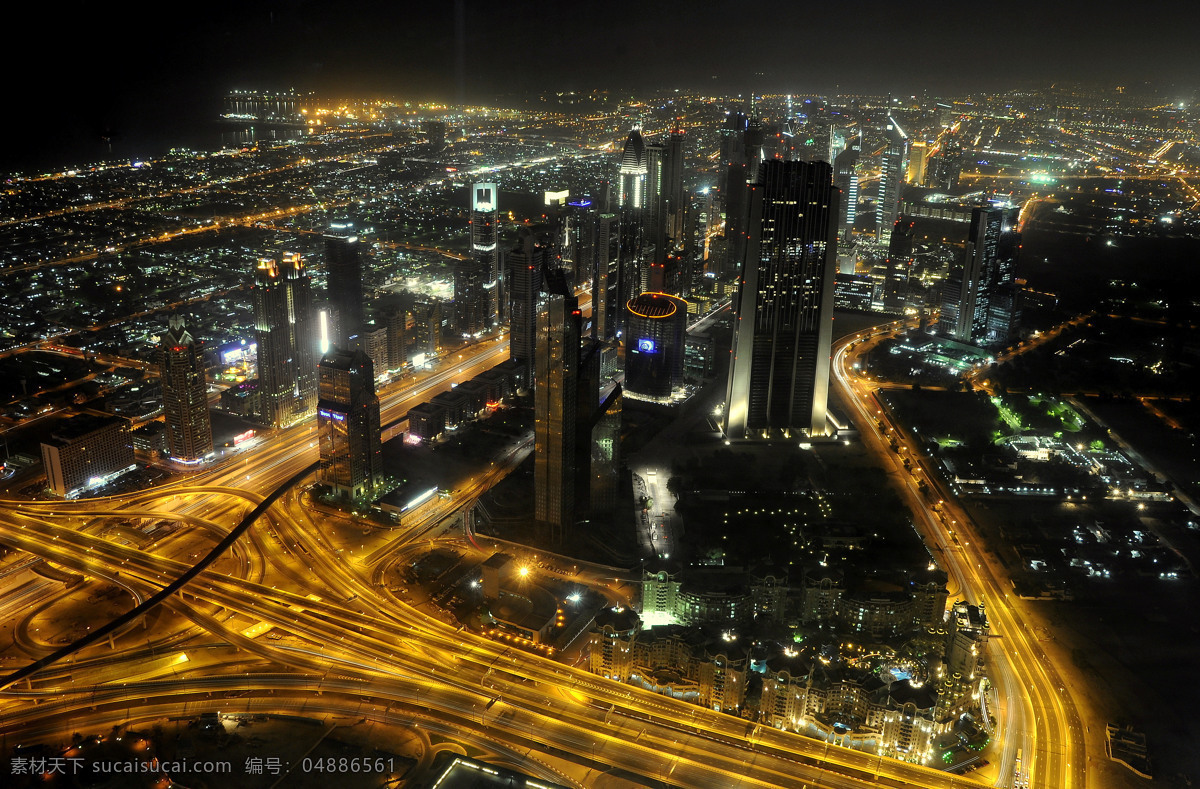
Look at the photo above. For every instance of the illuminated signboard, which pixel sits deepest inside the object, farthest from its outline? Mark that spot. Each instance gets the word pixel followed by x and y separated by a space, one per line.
pixel 646 346
pixel 331 415
pixel 242 437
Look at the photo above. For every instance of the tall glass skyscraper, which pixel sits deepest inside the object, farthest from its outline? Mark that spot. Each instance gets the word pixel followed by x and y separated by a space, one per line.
pixel 779 375
pixel 343 269
pixel 893 167
pixel 348 425
pixel 979 302
pixel 555 402
pixel 284 327
pixel 185 394
pixel 477 279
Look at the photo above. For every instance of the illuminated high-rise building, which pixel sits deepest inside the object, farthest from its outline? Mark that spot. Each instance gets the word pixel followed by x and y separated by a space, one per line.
pixel 918 157
pixel 286 335
pixel 654 213
pixel 979 303
pixel 632 210
pixel 344 281
pixel 185 394
pixel 348 425
pixel 891 176
pixel 477 279
pixel 656 341
pixel 779 374
pixel 579 224
pixel 555 401
pixel 526 264
pixel 845 178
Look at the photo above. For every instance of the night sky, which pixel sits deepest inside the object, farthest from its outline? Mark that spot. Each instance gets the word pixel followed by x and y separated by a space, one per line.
pixel 146 72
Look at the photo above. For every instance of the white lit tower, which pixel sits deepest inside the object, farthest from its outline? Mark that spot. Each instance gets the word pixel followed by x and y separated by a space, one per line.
pixel 845 178
pixel 893 168
pixel 477 280
pixel 285 333
pixel 632 209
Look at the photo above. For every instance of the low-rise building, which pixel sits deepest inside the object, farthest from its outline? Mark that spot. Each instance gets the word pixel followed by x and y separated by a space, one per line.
pixel 87 451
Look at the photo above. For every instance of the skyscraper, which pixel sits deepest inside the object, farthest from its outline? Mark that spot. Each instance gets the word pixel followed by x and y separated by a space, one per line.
pixel 526 263
pixel 555 401
pixel 899 264
pixel 348 425
pixel 674 203
pixel 891 175
pixel 606 286
pixel 344 279
pixel 477 280
pixel 632 209
pixel 732 178
pixel 185 394
pixel 656 341
pixel 654 211
pixel 285 333
pixel 579 227
pixel 985 275
pixel 779 374
pixel 845 178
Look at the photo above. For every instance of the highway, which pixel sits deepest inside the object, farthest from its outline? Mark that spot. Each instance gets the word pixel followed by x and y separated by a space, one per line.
pixel 296 577
pixel 1038 715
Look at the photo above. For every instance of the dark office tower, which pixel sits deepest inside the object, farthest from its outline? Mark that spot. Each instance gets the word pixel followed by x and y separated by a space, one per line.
pixel 632 210
pixel 556 371
pixel 579 229
pixel 1004 301
pixel 526 263
pixel 845 178
pixel 285 332
pixel 477 280
pixel 395 319
pixel 732 178
pixel 899 264
pixel 344 280
pixel 606 286
pixel 779 374
pixel 654 352
pixel 893 168
pixel 986 270
pixel 655 217
pixel 348 426
pixel 185 394
pixel 435 134
pixel 674 203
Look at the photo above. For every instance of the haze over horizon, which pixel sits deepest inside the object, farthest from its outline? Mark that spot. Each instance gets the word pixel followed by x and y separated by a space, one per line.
pixel 150 77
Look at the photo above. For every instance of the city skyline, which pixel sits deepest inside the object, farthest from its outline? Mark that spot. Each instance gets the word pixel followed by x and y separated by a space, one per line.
pixel 671 438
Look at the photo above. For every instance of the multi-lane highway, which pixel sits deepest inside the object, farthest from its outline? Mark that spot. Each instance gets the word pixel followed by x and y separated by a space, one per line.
pixel 1039 715
pixel 294 575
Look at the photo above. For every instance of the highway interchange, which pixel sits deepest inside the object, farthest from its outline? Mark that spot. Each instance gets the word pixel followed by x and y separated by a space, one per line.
pixel 352 647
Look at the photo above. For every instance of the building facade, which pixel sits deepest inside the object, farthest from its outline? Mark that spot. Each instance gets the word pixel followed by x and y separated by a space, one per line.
pixel 556 371
pixel 285 332
pixel 348 426
pixel 779 374
pixel 185 394
pixel 655 345
pixel 344 281
pixel 85 452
